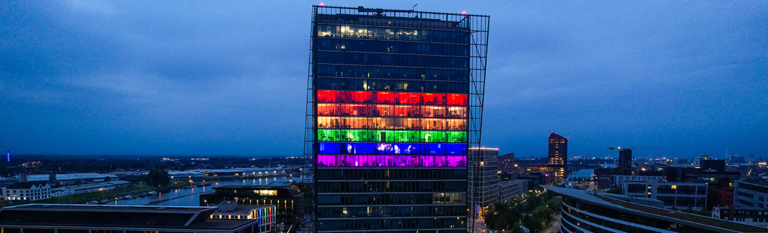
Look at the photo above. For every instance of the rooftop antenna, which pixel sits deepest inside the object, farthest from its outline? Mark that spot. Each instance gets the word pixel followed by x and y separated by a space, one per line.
pixel 726 148
pixel 414 7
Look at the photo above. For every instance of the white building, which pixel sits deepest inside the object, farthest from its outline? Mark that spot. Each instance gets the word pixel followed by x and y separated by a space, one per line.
pixel 27 191
pixel 58 192
pixel 750 194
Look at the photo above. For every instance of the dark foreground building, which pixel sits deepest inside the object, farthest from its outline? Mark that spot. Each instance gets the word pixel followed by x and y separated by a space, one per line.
pixel 286 199
pixel 133 219
pixel 395 100
pixel 595 212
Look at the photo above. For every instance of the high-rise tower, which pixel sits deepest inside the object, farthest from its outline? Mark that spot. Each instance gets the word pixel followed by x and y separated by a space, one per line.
pixel 625 161
pixel 395 99
pixel 558 155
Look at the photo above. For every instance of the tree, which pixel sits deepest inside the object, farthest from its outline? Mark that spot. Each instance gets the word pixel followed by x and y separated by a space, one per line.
pixel 157 177
pixel 614 191
pixel 107 179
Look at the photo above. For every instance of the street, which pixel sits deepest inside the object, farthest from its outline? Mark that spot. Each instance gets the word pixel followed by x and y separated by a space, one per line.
pixel 553 226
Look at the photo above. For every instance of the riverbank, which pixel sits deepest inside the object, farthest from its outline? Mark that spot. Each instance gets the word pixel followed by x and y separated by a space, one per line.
pixel 136 189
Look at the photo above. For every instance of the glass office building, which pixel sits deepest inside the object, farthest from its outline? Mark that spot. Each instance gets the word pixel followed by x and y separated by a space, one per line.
pixel 394 102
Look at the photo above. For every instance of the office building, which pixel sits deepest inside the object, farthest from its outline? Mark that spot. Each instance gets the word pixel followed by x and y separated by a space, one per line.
pixel 286 199
pixel 507 163
pixel 112 218
pixel 750 194
pixel 584 211
pixel 558 156
pixel 394 102
pixel 677 195
pixel 512 189
pixel 625 161
pixel 751 216
pixel 483 177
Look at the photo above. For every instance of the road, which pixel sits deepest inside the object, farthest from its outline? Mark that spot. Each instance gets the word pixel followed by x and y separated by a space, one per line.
pixel 553 226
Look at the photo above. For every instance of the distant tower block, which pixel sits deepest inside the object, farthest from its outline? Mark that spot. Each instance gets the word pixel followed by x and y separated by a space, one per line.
pixel 8 155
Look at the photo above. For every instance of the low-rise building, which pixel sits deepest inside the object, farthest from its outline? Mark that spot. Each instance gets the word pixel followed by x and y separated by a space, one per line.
pixel 29 191
pixel 750 194
pixel 750 216
pixel 116 218
pixel 678 195
pixel 617 180
pixel 96 187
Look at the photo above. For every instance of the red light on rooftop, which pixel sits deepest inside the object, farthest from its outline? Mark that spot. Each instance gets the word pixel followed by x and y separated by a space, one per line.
pixel 464 12
pixel 322 4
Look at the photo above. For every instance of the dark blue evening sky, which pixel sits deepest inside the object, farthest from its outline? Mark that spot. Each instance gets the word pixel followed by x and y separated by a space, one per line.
pixel 229 78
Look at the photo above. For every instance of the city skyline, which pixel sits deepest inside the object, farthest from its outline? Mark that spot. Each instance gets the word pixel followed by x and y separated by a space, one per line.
pixel 155 78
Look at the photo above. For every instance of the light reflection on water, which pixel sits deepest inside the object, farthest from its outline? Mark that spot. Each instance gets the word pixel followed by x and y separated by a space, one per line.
pixel 191 196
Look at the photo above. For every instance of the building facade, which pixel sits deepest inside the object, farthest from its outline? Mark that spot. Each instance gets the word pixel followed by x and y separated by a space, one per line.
pixel 678 195
pixel 27 191
pixel 750 194
pixel 584 211
pixel 483 177
pixel 558 156
pixel 617 180
pixel 750 216
pixel 512 189
pixel 394 102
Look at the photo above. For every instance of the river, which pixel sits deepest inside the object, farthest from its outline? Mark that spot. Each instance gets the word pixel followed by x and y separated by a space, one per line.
pixel 191 196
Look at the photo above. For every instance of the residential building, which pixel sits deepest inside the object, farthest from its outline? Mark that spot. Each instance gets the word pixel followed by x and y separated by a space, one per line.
pixel 512 189
pixel 584 211
pixel 393 104
pixel 507 163
pixel 287 200
pixel 750 216
pixel 617 180
pixel 483 177
pixel 677 195
pixel 750 194
pixel 29 191
pixel 558 156
pixel 116 218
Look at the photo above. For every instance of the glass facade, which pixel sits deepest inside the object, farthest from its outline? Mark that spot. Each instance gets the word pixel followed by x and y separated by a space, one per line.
pixel 393 112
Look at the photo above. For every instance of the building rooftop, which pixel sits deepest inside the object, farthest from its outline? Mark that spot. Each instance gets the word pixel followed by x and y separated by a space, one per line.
pixel 119 217
pixel 713 224
pixel 25 185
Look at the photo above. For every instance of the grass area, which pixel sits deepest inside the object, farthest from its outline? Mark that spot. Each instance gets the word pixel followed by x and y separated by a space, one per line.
pixel 95 196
